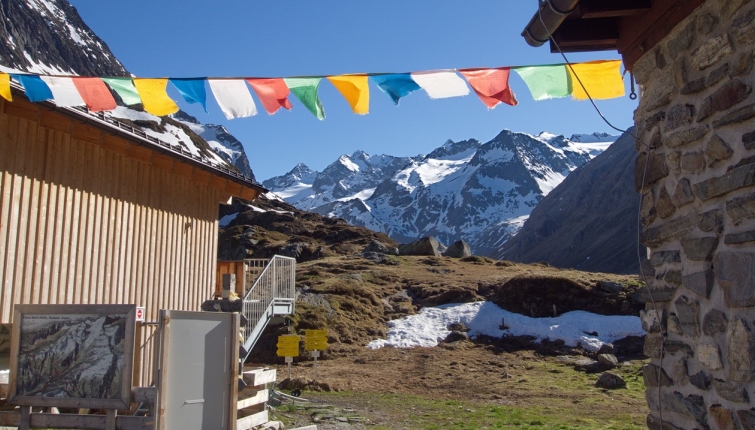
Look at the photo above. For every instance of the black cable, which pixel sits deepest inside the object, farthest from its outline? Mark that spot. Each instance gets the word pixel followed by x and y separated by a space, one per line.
pixel 639 211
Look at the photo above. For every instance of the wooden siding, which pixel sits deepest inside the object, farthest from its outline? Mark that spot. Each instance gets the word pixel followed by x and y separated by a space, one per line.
pixel 81 221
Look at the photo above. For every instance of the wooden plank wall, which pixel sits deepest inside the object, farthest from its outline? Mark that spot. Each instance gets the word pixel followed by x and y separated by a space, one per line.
pixel 82 224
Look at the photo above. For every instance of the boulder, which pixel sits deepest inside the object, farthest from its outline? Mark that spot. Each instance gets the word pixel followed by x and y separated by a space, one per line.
pixel 376 246
pixel 458 249
pixel 457 326
pixel 610 381
pixel 424 246
pixel 608 360
pixel 456 336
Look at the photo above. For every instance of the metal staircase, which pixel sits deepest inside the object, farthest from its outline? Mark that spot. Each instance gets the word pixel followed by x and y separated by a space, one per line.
pixel 272 294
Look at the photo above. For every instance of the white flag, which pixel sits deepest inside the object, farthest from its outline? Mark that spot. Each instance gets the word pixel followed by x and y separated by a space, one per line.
pixel 442 84
pixel 234 97
pixel 64 91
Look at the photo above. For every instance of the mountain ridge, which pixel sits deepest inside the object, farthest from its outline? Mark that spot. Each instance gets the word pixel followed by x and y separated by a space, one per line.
pixel 467 190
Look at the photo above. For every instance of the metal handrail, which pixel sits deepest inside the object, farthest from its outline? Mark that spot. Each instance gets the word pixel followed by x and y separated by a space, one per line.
pixel 273 293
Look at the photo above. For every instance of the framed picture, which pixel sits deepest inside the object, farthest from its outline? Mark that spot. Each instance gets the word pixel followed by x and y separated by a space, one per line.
pixel 77 356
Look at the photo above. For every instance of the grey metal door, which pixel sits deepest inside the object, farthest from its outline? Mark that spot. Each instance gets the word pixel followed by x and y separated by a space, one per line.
pixel 198 370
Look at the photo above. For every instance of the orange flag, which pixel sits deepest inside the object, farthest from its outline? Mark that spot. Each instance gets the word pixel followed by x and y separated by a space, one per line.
pixel 273 93
pixel 95 94
pixel 5 87
pixel 355 90
pixel 491 85
pixel 602 79
pixel 154 97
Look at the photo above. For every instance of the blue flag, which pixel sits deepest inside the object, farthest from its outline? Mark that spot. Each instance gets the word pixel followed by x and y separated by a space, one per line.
pixel 36 89
pixel 192 90
pixel 396 85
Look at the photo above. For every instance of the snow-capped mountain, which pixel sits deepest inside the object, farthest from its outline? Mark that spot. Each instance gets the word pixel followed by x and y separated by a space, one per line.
pixel 220 140
pixel 49 37
pixel 481 193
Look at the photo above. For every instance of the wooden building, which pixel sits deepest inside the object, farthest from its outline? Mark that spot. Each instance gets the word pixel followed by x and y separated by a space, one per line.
pixel 95 211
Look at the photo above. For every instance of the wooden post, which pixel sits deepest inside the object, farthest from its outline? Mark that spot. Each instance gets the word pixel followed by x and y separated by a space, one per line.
pixel 25 422
pixel 110 419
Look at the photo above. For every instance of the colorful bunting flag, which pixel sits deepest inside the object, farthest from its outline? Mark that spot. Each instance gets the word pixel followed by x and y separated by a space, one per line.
pixel 442 84
pixel 95 94
pixel 396 85
pixel 192 90
pixel 35 88
pixel 5 87
pixel 545 82
pixel 233 97
pixel 602 80
pixel 273 93
pixel 64 91
pixel 155 97
pixel 491 85
pixel 305 89
pixel 125 89
pixel 355 90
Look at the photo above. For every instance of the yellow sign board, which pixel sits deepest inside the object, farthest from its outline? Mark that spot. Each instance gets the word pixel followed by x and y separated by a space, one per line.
pixel 315 340
pixel 288 345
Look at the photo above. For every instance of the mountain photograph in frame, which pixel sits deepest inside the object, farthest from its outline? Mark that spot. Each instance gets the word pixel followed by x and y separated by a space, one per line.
pixel 77 356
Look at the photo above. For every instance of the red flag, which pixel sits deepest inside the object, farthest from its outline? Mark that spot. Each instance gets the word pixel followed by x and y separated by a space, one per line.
pixel 491 85
pixel 273 93
pixel 95 94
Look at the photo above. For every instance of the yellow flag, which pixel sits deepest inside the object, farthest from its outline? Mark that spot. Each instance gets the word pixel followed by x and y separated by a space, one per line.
pixel 355 90
pixel 602 79
pixel 5 87
pixel 154 96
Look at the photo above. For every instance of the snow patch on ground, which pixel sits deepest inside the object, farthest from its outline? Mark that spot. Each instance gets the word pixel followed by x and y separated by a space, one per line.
pixel 428 327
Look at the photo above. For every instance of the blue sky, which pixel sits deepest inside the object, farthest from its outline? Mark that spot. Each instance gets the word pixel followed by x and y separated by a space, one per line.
pixel 266 38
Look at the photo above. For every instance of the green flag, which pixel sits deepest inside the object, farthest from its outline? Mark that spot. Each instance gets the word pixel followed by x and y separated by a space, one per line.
pixel 546 82
pixel 125 88
pixel 305 89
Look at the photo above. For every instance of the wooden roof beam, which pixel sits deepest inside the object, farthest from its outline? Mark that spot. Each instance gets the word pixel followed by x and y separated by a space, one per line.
pixel 578 36
pixel 611 9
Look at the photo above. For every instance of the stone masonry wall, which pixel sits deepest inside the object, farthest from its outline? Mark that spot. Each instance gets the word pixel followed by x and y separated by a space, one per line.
pixel 697 113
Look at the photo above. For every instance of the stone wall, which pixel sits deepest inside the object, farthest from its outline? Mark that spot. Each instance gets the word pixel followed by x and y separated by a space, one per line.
pixel 697 114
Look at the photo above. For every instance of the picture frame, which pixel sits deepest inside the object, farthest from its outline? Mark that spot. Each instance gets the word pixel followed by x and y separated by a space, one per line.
pixel 77 356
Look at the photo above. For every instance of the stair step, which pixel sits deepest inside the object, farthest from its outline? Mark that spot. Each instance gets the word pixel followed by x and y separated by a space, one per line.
pixel 259 397
pixel 252 420
pixel 259 376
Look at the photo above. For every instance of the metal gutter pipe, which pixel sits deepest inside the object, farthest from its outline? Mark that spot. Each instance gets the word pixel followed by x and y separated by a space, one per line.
pixel 553 13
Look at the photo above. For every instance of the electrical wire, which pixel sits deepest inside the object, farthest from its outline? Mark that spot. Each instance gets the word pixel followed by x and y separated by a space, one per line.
pixel 639 210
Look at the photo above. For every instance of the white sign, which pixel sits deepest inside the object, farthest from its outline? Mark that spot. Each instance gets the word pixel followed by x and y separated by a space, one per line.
pixel 140 314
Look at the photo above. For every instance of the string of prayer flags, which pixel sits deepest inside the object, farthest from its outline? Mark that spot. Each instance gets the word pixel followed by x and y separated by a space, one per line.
pixel 305 89
pixel 395 85
pixel 95 94
pixel 273 93
pixel 35 88
pixel 233 97
pixel 5 87
pixel 491 85
pixel 63 91
pixel 154 96
pixel 601 79
pixel 355 90
pixel 441 85
pixel 125 89
pixel 192 90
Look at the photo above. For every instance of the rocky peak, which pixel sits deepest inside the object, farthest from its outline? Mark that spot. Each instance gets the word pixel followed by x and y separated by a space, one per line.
pixel 451 148
pixel 50 36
